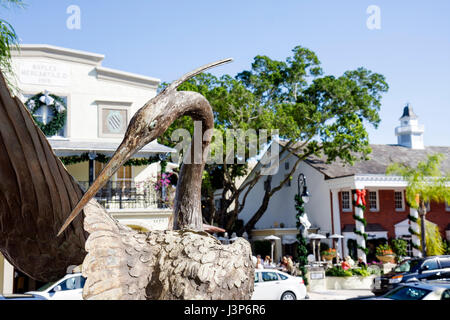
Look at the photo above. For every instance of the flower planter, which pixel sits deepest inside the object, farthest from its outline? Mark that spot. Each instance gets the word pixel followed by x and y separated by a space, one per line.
pixel 389 258
pixel 329 257
pixel 349 283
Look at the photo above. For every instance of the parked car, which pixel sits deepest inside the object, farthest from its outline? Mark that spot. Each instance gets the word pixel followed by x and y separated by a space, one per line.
pixel 276 285
pixel 21 297
pixel 435 267
pixel 68 288
pixel 419 290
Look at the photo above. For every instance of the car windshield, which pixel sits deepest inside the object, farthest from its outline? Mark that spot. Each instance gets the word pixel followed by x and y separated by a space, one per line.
pixel 406 266
pixel 407 293
pixel 46 286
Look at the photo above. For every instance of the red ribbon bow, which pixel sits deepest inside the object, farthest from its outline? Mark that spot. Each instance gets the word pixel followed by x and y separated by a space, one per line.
pixel 360 197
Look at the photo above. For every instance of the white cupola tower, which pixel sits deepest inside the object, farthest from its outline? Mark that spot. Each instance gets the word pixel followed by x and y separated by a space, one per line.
pixel 410 132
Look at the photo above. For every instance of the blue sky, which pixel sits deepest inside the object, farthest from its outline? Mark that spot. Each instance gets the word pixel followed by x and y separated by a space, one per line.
pixel 165 39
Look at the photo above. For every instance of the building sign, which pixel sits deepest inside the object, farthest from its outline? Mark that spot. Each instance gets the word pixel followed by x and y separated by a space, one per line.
pixel 43 73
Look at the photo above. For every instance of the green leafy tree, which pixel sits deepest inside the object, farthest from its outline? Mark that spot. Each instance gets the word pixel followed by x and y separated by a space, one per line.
pixel 315 115
pixel 425 183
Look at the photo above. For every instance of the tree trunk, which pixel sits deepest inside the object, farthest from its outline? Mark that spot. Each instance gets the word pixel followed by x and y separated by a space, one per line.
pixel 258 214
pixel 422 213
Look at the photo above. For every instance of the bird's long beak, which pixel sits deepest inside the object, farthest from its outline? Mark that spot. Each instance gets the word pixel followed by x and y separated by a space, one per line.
pixel 136 138
pixel 123 153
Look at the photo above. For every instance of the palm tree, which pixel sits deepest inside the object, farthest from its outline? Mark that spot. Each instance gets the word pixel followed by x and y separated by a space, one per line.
pixel 8 40
pixel 426 183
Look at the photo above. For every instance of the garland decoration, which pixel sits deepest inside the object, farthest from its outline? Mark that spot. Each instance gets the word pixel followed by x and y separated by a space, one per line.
pixel 104 159
pixel 413 219
pixel 302 251
pixel 55 105
pixel 361 203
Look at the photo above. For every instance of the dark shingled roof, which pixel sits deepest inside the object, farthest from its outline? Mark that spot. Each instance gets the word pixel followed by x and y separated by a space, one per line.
pixel 381 157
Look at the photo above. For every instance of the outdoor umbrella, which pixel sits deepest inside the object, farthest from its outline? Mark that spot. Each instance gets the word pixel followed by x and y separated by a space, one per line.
pixel 318 237
pixel 336 238
pixel 272 239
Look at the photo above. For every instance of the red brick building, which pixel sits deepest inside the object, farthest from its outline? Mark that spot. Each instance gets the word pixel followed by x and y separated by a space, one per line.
pixel 386 211
pixel 330 209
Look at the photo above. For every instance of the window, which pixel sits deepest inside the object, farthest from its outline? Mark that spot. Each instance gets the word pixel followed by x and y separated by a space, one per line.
pixel 373 201
pixel 407 293
pixel 269 276
pixel 399 202
pixel 98 168
pixel 447 206
pixel 446 295
pixel 445 263
pixel 406 266
pixel 113 118
pixel 288 183
pixel 346 201
pixel 282 276
pixel 124 177
pixel 431 264
pixel 409 248
pixel 72 283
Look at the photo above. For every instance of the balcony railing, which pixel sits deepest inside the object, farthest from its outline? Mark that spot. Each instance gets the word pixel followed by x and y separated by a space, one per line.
pixel 127 195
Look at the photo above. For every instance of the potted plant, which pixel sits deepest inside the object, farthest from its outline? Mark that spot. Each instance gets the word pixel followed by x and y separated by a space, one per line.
pixel 329 254
pixel 385 254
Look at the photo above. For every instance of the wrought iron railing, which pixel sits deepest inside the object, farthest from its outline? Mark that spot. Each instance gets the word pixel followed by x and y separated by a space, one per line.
pixel 127 195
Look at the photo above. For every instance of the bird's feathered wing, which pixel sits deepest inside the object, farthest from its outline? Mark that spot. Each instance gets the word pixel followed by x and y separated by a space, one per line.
pixel 124 264
pixel 36 195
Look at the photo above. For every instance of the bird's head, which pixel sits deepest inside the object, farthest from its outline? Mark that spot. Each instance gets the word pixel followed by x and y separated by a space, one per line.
pixel 149 122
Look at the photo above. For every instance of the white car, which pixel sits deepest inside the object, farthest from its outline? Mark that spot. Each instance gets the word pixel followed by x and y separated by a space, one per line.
pixel 276 285
pixel 68 288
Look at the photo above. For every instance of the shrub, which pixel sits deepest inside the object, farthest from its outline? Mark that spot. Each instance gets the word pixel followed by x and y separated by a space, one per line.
pixel 360 272
pixel 399 246
pixel 383 249
pixel 338 272
pixel 446 246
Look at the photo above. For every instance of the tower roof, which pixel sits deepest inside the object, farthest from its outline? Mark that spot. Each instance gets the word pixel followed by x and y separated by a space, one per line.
pixel 408 112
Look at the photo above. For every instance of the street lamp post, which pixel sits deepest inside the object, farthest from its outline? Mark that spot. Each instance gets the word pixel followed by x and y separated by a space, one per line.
pixel 304 190
pixel 303 224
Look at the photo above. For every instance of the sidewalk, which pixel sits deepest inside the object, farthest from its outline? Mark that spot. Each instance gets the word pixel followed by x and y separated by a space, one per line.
pixel 339 294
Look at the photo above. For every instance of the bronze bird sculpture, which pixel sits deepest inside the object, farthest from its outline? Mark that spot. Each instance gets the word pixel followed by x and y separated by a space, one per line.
pixel 121 263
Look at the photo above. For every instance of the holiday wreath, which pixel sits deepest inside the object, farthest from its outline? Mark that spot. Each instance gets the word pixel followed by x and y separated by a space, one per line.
pixel 57 108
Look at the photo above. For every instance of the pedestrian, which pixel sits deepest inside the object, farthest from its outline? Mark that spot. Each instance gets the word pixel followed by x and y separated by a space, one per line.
pixel 290 265
pixel 361 263
pixel 259 262
pixel 345 264
pixel 268 263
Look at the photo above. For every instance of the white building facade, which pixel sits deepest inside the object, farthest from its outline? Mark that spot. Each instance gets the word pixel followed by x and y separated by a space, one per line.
pixel 99 104
pixel 332 187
